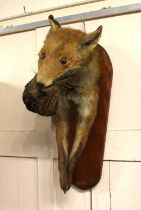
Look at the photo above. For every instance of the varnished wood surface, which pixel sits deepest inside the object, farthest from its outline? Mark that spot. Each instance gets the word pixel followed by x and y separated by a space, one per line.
pixel 89 168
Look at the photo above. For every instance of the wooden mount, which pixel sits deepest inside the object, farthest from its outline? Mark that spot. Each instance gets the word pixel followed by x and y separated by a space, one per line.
pixel 89 168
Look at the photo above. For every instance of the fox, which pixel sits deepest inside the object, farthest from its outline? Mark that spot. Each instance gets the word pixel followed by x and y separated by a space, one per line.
pixel 71 62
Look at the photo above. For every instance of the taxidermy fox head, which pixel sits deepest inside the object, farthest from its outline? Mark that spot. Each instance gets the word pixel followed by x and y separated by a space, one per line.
pixel 64 50
pixel 65 53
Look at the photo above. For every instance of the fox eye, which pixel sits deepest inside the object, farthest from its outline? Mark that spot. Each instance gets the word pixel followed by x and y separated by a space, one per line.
pixel 63 61
pixel 43 55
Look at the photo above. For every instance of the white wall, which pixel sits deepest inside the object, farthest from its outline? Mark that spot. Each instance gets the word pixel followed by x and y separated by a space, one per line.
pixel 16 7
pixel 28 165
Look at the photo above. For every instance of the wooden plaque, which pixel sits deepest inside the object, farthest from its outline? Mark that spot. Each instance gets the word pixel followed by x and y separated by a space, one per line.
pixel 89 168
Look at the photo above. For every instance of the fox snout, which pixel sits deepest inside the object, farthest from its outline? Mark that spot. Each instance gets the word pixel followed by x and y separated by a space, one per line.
pixel 43 81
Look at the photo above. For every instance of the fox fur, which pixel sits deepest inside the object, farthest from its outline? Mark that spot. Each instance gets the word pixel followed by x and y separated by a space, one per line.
pixel 70 60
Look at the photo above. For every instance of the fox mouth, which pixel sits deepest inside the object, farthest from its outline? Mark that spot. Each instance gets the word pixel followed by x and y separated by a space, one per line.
pixel 63 79
pixel 67 75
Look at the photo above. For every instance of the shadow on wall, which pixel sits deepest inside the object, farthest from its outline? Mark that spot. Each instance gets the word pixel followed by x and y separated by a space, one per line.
pixel 23 133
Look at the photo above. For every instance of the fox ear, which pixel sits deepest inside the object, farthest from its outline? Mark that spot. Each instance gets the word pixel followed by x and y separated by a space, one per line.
pixel 54 24
pixel 91 40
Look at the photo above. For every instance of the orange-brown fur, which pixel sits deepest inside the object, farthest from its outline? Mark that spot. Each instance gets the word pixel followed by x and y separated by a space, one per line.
pixel 79 49
pixel 58 45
